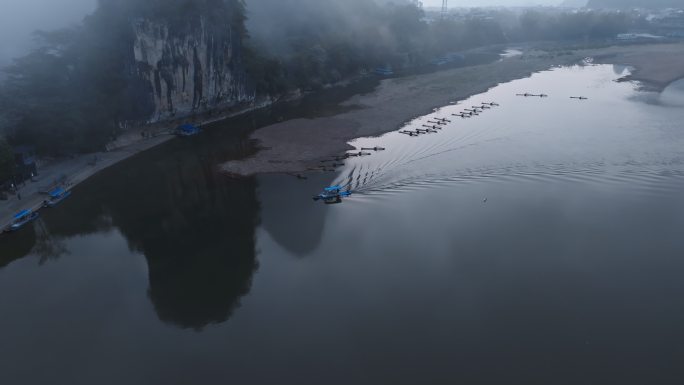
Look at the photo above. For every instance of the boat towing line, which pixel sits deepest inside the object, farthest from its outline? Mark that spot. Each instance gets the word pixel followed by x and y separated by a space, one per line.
pixel 436 123
pixel 334 194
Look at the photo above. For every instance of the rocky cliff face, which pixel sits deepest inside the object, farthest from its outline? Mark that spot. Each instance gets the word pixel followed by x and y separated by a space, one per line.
pixel 189 72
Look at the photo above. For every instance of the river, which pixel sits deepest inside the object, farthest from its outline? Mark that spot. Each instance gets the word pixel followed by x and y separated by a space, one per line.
pixel 539 242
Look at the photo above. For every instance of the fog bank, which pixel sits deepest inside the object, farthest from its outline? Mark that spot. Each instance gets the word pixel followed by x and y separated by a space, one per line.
pixel 20 18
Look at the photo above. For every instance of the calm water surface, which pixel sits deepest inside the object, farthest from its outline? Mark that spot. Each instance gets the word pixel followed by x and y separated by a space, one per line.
pixel 538 243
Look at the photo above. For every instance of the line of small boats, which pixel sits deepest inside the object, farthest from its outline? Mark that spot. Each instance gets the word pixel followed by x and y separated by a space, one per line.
pixel 24 217
pixel 437 124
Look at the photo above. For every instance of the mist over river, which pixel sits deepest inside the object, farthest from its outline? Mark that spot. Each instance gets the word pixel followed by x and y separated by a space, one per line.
pixel 539 242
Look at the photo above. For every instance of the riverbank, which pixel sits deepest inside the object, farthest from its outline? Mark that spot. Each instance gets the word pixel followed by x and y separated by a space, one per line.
pixel 73 171
pixel 295 146
pixel 70 173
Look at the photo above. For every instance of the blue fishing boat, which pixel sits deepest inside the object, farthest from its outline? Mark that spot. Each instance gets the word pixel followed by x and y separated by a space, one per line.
pixel 187 130
pixel 21 219
pixel 332 194
pixel 56 197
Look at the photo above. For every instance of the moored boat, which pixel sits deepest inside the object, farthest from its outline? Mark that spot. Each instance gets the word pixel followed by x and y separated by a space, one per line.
pixel 187 130
pixel 21 219
pixel 56 197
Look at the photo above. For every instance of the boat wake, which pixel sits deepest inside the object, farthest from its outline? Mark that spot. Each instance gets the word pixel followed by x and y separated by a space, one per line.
pixel 538 139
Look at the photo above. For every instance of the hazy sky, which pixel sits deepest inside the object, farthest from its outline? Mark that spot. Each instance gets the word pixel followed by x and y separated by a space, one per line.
pixel 19 18
pixel 483 3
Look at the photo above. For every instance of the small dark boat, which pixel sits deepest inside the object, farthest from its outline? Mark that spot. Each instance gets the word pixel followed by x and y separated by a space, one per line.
pixel 360 153
pixel 579 97
pixel 21 219
pixel 409 133
pixel 56 197
pixel 373 148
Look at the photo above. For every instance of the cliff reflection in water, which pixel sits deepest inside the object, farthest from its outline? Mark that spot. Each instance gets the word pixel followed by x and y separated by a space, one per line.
pixel 17 246
pixel 288 214
pixel 195 227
